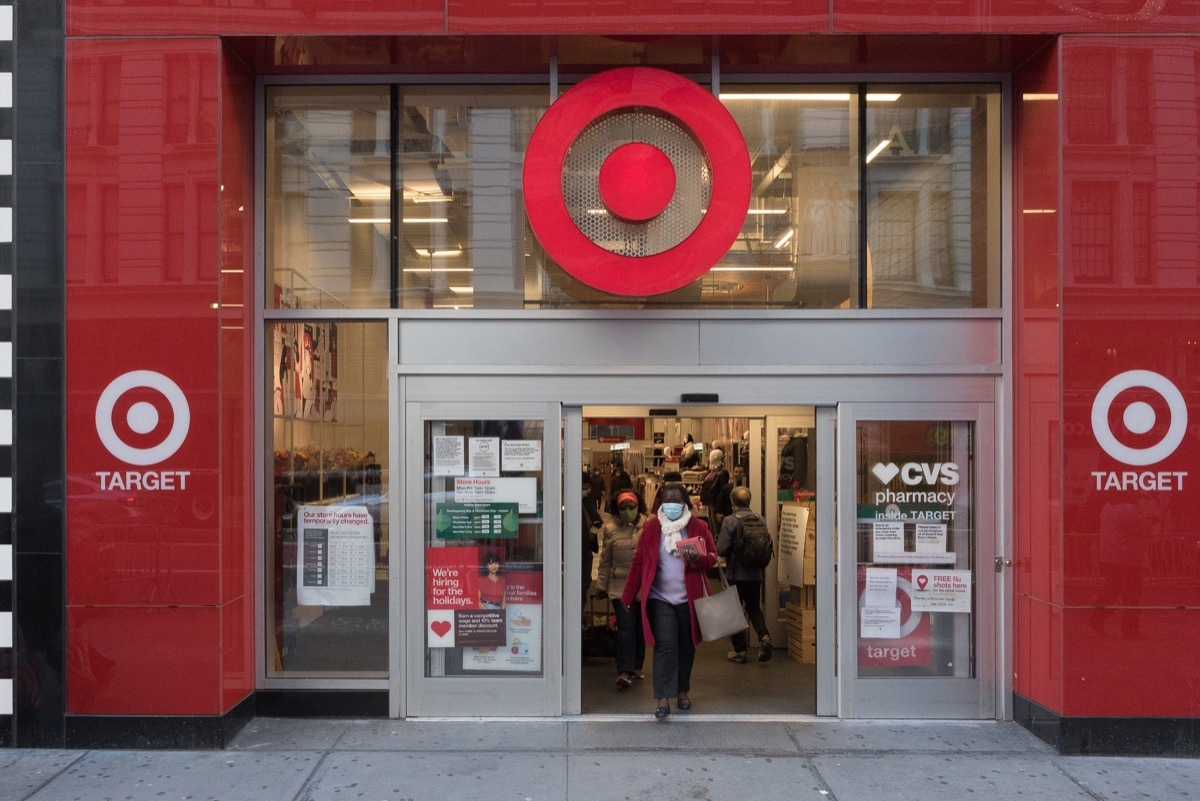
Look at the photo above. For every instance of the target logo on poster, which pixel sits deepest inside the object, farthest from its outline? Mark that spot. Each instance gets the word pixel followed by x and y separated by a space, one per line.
pixel 142 418
pixel 637 181
pixel 1139 397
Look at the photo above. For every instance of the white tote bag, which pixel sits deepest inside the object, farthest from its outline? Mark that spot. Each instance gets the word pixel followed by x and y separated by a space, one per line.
pixel 720 613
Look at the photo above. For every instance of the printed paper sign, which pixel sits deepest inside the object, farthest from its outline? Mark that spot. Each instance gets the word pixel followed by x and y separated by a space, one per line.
pixel 793 524
pixel 521 491
pixel 484 454
pixel 931 537
pixel 335 556
pixel 881 588
pixel 878 622
pixel 522 652
pixel 473 521
pixel 519 455
pixel 452 578
pixel 910 646
pixel 439 628
pixel 479 627
pixel 941 591
pixel 887 536
pixel 448 456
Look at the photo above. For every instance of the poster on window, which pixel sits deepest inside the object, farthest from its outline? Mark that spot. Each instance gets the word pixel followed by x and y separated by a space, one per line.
pixel 335 556
pixel 912 645
pixel 793 527
pixel 522 649
pixel 305 371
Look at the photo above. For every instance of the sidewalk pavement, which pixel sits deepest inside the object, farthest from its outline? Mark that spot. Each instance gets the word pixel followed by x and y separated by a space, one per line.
pixel 593 759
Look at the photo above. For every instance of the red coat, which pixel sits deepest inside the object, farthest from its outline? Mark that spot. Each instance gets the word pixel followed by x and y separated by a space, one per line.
pixel 645 567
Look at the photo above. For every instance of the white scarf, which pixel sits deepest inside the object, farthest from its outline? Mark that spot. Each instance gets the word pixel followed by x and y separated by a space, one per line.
pixel 672 530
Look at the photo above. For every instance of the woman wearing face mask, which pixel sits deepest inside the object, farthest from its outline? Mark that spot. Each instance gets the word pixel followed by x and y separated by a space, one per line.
pixel 667 585
pixel 620 539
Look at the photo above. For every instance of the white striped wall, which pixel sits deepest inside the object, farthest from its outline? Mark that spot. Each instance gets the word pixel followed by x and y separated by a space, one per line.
pixel 6 358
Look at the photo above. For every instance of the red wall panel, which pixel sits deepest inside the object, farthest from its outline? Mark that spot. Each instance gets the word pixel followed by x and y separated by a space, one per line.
pixel 565 17
pixel 1130 291
pixel 245 17
pixel 237 379
pixel 145 548
pixel 1037 530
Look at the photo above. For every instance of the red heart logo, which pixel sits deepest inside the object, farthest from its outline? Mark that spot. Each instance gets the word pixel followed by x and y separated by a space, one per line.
pixel 922 581
pixel 440 627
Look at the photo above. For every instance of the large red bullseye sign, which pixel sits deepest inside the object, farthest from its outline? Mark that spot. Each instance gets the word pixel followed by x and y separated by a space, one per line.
pixel 638 183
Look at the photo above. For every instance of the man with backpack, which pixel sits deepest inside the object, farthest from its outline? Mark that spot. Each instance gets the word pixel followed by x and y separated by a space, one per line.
pixel 746 544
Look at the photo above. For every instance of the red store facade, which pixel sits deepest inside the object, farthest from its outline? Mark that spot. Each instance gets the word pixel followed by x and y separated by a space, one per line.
pixel 148 220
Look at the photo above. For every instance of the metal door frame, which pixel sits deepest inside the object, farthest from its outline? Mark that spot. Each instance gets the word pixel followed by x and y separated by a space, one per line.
pixel 464 696
pixel 935 697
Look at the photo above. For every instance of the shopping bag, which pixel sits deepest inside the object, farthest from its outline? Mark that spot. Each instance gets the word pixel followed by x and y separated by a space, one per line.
pixel 720 613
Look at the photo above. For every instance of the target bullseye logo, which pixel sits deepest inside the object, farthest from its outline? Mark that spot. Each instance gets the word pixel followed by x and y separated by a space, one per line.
pixel 637 181
pixel 1139 417
pixel 142 417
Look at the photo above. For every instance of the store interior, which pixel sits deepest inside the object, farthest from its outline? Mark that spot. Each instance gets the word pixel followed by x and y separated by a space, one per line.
pixel 772 455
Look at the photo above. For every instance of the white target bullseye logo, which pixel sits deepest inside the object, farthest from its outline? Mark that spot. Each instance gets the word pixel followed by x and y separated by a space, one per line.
pixel 142 417
pixel 1139 417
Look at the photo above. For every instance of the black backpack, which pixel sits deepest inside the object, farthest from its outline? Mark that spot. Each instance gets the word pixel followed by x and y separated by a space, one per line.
pixel 752 547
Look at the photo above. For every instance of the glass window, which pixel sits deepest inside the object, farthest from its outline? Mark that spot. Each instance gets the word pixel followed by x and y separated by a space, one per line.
pixel 932 197
pixel 464 241
pixel 328 196
pixel 434 217
pixel 916 549
pixel 799 245
pixel 327 558
pixel 484 548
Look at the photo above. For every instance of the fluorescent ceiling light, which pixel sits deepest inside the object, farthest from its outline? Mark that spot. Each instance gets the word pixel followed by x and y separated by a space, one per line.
pixel 878 149
pixel 751 269
pixel 783 240
pixel 1039 211
pixel 372 193
pixel 838 97
pixel 384 220
pixel 452 306
pixel 438 269
pixel 1039 96
pixel 767 211
pixel 462 290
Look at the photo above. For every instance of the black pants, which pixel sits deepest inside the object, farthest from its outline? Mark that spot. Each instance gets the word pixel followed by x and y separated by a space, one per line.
pixel 674 651
pixel 631 645
pixel 750 592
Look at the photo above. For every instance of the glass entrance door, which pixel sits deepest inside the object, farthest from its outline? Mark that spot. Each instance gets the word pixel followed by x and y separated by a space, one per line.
pixel 917 524
pixel 483 556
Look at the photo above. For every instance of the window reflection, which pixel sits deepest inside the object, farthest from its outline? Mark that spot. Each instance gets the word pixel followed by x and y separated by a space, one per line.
pixel 327 575
pixel 451 183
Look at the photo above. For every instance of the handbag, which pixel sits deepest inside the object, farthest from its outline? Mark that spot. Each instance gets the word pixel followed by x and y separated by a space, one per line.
pixel 720 613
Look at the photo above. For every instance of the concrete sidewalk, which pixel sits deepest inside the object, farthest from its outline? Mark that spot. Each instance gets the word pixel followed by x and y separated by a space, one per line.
pixel 588 759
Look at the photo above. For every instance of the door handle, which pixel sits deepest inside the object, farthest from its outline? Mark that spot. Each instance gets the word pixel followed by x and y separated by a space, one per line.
pixel 1002 563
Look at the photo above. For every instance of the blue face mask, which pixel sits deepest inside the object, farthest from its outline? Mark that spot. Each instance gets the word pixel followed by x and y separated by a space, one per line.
pixel 673 511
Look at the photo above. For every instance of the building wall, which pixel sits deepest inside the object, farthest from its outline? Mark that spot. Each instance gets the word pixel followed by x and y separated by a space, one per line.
pixel 159 167
pixel 159 590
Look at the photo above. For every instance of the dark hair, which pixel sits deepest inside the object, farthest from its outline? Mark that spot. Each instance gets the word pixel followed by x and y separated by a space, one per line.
pixel 672 476
pixel 677 487
pixel 488 558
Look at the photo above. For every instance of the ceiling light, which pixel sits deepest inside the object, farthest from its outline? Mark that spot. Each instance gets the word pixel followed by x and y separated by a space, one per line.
pixel 377 220
pixel 750 269
pixel 783 240
pixel 425 220
pixel 767 211
pixel 878 149
pixel 462 290
pixel 839 97
pixel 1038 211
pixel 438 269
pixel 1039 96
